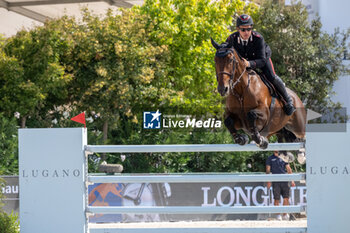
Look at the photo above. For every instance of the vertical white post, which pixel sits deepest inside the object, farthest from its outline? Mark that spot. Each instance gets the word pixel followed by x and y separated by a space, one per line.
pixel 328 180
pixel 52 180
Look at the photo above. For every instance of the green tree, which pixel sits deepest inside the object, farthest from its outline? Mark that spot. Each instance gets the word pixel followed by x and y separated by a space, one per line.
pixel 38 81
pixel 8 146
pixel 117 70
pixel 308 59
pixel 8 223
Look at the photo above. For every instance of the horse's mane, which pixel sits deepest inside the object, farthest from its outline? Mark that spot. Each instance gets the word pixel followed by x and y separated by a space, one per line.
pixel 239 55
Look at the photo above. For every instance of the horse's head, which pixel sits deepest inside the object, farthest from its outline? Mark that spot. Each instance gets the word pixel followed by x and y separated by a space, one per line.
pixel 224 65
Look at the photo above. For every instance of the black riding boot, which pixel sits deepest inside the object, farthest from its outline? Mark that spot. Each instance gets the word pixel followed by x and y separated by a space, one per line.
pixel 279 85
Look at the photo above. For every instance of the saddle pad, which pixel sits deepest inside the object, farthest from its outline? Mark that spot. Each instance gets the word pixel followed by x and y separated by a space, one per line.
pixel 268 84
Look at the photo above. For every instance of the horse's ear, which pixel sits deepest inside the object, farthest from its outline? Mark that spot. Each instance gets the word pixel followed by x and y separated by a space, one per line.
pixel 216 45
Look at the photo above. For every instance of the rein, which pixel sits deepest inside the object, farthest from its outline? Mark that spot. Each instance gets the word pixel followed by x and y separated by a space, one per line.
pixel 232 85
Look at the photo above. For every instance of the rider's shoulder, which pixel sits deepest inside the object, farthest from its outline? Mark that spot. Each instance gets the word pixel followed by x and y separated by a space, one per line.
pixel 233 37
pixel 235 34
pixel 257 35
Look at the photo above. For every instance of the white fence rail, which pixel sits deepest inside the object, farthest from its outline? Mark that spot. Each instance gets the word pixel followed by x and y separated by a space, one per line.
pixel 195 209
pixel 190 148
pixel 187 178
pixel 200 230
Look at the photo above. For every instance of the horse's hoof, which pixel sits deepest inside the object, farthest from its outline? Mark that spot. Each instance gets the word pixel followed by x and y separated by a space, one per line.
pixel 241 139
pixel 263 143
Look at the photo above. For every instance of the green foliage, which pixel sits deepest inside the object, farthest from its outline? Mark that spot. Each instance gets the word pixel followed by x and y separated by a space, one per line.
pixel 12 90
pixel 8 146
pixel 184 162
pixel 2 41
pixel 308 59
pixel 117 70
pixel 9 223
pixel 35 80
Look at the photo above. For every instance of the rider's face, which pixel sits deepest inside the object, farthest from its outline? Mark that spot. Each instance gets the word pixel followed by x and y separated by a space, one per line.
pixel 245 31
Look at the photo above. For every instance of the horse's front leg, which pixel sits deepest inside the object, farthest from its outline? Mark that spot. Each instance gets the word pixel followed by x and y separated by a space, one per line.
pixel 261 141
pixel 232 124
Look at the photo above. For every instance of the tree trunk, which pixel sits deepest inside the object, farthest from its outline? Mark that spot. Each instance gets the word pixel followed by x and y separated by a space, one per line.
pixel 23 122
pixel 105 137
pixel 105 132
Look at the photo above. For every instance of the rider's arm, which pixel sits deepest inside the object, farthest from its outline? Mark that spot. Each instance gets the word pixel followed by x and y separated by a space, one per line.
pixel 260 60
pixel 289 171
pixel 268 170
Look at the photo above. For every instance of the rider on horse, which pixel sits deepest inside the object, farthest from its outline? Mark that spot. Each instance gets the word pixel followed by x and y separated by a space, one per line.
pixel 252 47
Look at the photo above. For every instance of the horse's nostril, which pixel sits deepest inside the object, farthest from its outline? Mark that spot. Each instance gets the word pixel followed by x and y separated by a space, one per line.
pixel 222 90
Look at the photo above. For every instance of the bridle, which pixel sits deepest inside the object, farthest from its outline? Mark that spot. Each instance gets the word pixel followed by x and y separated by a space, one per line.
pixel 223 53
pixel 233 84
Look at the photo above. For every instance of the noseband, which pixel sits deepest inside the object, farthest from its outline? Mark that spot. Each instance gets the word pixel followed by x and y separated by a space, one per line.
pixel 227 73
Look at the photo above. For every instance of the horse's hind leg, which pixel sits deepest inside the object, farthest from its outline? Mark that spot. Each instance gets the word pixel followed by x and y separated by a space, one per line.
pixel 280 136
pixel 288 136
pixel 285 135
pixel 240 139
pixel 260 140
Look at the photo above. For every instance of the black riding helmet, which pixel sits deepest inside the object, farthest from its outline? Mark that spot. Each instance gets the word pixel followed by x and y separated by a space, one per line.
pixel 244 20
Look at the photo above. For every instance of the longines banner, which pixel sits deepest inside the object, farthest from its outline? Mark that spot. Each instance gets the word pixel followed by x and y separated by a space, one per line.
pixel 165 194
pixel 185 194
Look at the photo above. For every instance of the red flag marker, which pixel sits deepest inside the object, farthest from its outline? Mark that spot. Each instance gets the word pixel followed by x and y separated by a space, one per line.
pixel 80 119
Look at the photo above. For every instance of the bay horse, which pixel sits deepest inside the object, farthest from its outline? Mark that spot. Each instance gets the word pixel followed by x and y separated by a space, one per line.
pixel 250 106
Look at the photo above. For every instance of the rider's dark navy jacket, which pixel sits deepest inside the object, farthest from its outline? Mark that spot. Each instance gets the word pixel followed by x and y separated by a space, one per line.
pixel 256 51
